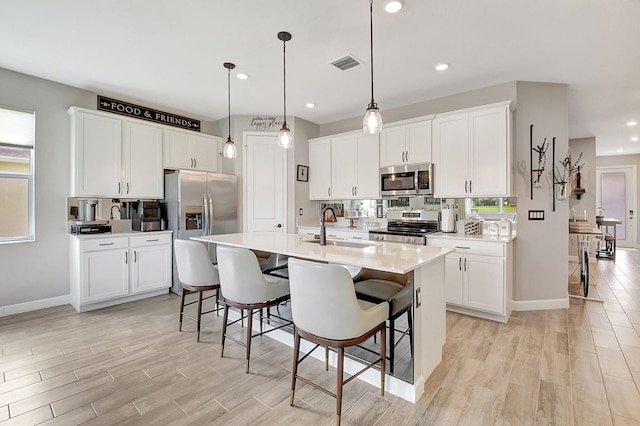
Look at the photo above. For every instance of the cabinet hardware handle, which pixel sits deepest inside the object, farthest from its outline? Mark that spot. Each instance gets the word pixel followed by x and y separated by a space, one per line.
pixel 356 190
pixel 406 156
pixel 126 257
pixel 329 191
pixel 127 187
pixel 332 235
pixel 192 163
pixel 155 239
pixel 470 186
pixel 465 186
pixel 460 263
pixel 465 264
pixel 310 233
pixel 357 238
pixel 118 187
pixel 463 247
pixel 105 244
pixel 135 256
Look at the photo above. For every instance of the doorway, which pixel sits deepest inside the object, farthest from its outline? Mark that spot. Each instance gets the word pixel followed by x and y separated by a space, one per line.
pixel 616 198
pixel 265 183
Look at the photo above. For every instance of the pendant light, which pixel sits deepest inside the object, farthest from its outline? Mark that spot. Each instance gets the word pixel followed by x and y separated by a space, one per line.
pixel 284 138
pixel 229 150
pixel 372 122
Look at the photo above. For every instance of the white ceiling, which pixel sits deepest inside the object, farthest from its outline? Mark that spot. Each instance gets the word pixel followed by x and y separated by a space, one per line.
pixel 170 53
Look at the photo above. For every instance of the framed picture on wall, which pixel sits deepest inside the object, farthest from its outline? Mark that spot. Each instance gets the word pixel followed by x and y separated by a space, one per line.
pixel 303 173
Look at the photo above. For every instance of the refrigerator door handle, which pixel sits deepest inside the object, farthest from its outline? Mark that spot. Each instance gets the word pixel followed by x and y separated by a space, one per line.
pixel 205 214
pixel 210 214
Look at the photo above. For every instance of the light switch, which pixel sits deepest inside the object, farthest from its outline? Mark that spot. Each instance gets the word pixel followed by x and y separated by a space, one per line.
pixel 536 214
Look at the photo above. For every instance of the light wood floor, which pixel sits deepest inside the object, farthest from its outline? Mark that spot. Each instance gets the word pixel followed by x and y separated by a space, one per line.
pixel 129 365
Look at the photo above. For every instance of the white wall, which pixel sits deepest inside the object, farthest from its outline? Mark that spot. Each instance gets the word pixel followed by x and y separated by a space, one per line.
pixel 32 272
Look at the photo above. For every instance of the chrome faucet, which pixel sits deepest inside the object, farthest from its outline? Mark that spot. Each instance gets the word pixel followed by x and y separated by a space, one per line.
pixel 323 229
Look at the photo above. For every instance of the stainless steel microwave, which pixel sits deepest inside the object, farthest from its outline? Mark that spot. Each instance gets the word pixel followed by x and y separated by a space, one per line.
pixel 410 179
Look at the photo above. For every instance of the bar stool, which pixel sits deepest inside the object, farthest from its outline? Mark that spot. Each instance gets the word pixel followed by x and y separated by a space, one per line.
pixel 245 287
pixel 379 286
pixel 196 275
pixel 326 312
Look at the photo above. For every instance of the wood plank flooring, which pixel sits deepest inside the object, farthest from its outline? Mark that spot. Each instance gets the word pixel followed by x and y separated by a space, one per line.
pixel 129 365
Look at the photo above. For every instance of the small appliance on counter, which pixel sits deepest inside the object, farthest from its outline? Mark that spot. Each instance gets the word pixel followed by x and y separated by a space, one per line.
pixel 448 217
pixel 148 216
pixel 94 227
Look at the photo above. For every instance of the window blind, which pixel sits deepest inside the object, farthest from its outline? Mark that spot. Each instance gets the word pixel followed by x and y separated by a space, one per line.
pixel 17 127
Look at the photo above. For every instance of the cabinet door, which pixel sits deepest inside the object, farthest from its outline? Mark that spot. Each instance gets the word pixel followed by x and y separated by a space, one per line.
pixel 105 274
pixel 344 168
pixel 98 155
pixel 485 283
pixel 150 268
pixel 368 167
pixel 177 151
pixel 392 146
pixel 418 142
pixel 205 153
pixel 454 279
pixel 489 162
pixel 451 146
pixel 320 169
pixel 143 171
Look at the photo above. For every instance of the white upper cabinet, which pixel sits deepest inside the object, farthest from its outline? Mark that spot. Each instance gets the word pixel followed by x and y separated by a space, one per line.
pixel 472 152
pixel 190 150
pixel 320 169
pixel 406 144
pixel 114 157
pixel 344 166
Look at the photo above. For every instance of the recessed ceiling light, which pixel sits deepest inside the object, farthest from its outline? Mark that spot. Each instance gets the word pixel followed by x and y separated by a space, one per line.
pixel 619 150
pixel 242 76
pixel 632 123
pixel 442 67
pixel 310 105
pixel 393 6
pixel 634 139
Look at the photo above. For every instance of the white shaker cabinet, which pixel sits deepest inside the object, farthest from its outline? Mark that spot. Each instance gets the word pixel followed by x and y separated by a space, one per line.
pixel 109 270
pixel 190 150
pixel 320 169
pixel 478 277
pixel 114 157
pixel 354 166
pixel 472 152
pixel 406 144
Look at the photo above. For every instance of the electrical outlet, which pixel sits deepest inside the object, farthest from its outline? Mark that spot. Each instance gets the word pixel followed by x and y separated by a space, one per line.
pixel 536 214
pixel 300 211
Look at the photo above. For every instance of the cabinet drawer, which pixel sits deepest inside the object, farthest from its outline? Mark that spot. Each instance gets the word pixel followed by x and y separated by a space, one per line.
pixel 150 240
pixel 470 246
pixel 94 244
pixel 310 231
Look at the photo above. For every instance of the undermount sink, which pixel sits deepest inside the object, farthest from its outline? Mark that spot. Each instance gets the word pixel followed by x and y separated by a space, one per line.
pixel 355 244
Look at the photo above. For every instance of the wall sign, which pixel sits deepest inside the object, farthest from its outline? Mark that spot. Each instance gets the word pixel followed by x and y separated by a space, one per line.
pixel 265 124
pixel 144 113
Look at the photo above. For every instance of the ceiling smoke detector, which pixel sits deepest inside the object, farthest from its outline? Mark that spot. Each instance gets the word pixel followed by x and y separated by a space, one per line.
pixel 346 62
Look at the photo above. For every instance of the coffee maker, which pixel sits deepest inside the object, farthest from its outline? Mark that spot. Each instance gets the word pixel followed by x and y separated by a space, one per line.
pixel 148 216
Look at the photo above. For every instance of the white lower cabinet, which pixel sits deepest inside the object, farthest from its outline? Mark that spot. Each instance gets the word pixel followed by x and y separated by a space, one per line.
pixel 110 270
pixel 478 277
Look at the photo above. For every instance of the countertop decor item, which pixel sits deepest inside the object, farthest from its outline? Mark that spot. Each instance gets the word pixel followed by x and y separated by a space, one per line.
pixel 372 122
pixel 284 138
pixel 229 150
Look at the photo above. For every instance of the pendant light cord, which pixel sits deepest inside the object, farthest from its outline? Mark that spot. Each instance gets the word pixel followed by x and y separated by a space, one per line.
pixel 229 98
pixel 371 39
pixel 284 78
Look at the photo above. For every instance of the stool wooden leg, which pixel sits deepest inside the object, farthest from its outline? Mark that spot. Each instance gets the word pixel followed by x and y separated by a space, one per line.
pixel 260 321
pixel 217 302
pixel 249 318
pixel 340 385
pixel 199 320
pixel 184 293
pixel 225 316
pixel 392 343
pixel 383 355
pixel 294 367
pixel 326 358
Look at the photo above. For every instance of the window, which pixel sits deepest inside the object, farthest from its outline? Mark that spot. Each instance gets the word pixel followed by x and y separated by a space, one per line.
pixel 491 208
pixel 17 135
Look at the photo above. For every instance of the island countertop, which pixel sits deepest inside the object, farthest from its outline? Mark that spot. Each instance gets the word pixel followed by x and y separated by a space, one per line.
pixel 390 257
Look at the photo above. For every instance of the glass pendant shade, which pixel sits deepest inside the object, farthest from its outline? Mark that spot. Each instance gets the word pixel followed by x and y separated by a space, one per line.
pixel 229 150
pixel 372 122
pixel 284 138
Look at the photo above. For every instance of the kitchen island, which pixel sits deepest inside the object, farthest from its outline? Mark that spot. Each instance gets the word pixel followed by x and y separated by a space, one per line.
pixel 427 264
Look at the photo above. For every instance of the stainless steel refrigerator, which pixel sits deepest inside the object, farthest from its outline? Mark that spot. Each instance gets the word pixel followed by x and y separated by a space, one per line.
pixel 200 203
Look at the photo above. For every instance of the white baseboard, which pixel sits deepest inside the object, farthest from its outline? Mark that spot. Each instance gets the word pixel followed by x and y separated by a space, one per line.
pixel 540 305
pixel 20 308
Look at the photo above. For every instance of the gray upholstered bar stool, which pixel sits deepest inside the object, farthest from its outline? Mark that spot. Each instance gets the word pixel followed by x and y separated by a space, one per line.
pixel 397 289
pixel 196 275
pixel 326 312
pixel 246 288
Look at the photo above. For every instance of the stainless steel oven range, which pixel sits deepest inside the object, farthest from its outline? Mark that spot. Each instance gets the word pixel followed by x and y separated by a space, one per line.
pixel 408 227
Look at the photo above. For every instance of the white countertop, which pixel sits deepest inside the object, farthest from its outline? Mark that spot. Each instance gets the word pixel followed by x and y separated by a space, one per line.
pixel 118 234
pixel 481 237
pixel 390 257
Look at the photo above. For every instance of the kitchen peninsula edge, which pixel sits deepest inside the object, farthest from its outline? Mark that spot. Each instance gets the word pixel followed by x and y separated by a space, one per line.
pixel 428 266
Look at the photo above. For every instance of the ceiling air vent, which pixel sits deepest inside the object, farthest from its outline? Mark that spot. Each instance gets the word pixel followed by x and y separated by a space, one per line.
pixel 346 62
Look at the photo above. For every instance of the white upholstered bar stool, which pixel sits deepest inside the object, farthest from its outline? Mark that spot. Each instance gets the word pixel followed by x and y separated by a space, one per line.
pixel 326 312
pixel 196 275
pixel 246 288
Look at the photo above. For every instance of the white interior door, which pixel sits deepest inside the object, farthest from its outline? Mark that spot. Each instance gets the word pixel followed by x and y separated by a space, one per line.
pixel 265 183
pixel 616 194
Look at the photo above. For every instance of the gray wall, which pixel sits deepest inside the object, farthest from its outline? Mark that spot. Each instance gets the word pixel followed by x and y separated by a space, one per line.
pixel 40 270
